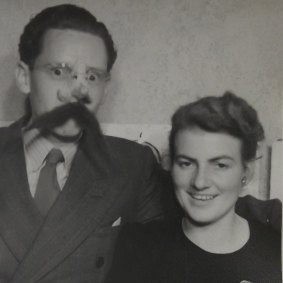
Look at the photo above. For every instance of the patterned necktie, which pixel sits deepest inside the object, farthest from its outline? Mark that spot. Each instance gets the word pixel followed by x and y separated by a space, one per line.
pixel 47 188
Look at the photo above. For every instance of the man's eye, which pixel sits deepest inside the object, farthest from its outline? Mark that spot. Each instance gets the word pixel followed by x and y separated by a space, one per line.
pixel 57 72
pixel 60 72
pixel 93 77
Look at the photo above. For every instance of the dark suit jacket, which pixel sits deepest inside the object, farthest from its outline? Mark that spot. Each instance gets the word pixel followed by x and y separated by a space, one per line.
pixel 74 242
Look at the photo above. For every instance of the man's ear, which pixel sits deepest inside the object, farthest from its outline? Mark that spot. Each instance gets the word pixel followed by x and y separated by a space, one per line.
pixel 22 74
pixel 247 177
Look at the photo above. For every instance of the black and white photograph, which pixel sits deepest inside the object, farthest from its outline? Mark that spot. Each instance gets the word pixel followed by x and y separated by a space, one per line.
pixel 141 141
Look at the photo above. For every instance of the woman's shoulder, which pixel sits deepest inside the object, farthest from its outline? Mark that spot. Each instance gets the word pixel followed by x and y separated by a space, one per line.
pixel 265 239
pixel 264 231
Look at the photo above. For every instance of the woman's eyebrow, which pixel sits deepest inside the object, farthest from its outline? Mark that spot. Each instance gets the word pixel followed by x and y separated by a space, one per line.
pixel 217 158
pixel 183 156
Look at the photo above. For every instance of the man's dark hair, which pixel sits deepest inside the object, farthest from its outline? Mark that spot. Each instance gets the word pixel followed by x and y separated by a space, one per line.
pixel 65 16
pixel 225 114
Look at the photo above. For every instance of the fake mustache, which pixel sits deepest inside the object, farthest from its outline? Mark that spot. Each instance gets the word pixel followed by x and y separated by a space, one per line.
pixel 92 139
pixel 57 117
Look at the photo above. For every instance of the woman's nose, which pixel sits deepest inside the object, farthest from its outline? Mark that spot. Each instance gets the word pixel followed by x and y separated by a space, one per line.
pixel 201 179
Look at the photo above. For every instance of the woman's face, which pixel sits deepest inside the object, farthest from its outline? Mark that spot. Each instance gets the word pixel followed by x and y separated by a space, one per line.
pixel 207 172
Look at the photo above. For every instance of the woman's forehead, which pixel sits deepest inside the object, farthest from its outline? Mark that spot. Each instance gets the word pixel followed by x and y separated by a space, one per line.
pixel 198 143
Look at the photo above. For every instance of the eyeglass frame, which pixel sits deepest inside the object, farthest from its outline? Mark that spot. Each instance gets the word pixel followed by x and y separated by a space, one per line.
pixel 69 73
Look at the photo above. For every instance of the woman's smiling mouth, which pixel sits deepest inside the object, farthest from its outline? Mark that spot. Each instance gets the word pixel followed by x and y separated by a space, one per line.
pixel 202 197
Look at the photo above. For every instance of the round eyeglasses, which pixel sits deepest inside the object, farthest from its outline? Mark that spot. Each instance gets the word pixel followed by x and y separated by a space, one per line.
pixel 65 72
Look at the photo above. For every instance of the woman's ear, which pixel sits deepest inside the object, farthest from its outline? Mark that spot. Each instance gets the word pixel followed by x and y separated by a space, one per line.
pixel 22 74
pixel 247 177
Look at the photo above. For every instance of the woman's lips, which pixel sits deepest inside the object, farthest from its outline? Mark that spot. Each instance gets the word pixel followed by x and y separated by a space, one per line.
pixel 202 197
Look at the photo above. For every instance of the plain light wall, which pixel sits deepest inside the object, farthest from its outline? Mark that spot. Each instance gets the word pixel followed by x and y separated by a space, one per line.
pixel 171 52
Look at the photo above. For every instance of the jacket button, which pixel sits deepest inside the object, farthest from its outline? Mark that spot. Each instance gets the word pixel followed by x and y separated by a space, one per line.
pixel 99 262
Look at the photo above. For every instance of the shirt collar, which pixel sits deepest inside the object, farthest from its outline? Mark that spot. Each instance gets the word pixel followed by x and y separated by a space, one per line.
pixel 36 148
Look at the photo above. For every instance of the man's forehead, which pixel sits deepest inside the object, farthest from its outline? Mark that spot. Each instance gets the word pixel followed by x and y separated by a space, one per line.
pixel 67 45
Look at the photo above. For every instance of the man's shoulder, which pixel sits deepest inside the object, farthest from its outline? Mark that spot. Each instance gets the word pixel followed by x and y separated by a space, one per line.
pixel 126 147
pixel 4 131
pixel 8 131
pixel 10 135
pixel 152 232
pixel 116 141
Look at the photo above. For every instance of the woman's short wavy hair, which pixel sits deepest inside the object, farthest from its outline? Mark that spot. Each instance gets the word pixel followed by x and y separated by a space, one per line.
pixel 64 16
pixel 228 114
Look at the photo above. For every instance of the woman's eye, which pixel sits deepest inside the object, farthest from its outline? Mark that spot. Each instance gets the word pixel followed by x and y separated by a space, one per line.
pixel 222 165
pixel 184 164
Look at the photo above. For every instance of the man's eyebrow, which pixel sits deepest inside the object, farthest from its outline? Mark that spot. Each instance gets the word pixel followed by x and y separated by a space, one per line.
pixel 95 69
pixel 57 64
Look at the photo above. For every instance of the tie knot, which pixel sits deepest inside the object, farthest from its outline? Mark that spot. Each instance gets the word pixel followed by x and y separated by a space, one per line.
pixel 54 156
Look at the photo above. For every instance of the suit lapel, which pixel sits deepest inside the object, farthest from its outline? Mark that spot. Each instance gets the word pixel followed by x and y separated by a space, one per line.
pixel 20 219
pixel 86 198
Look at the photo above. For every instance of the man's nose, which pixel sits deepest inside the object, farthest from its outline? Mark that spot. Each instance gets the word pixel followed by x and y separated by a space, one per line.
pixel 80 88
pixel 201 179
pixel 80 80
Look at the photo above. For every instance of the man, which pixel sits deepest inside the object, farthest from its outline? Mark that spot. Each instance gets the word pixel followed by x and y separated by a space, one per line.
pixel 65 60
pixel 64 187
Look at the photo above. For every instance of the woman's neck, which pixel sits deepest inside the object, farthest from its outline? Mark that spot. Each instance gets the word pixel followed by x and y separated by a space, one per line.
pixel 227 235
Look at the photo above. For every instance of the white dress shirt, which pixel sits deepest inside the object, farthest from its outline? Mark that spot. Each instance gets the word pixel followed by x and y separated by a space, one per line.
pixel 36 147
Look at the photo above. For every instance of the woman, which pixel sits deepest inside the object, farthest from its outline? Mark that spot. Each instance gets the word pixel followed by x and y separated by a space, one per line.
pixel 213 144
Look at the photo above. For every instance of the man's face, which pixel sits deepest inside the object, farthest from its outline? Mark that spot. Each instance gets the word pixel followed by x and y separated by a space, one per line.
pixel 207 172
pixel 71 67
